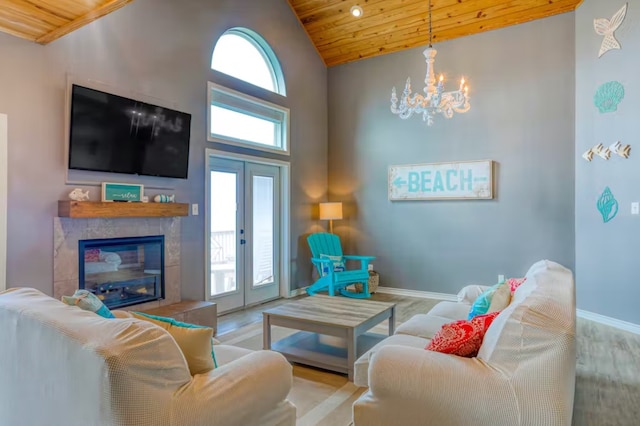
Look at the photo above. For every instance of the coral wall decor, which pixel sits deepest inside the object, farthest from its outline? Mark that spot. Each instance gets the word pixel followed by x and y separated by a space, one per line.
pixel 606 28
pixel 608 96
pixel 607 205
pixel 605 153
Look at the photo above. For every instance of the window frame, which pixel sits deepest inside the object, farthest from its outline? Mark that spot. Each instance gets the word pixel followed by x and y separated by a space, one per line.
pixel 251 106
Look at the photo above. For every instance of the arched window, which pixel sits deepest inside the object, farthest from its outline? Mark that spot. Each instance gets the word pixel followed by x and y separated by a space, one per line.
pixel 240 119
pixel 245 55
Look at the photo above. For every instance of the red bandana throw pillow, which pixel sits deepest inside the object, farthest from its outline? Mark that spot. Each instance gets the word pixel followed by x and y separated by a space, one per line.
pixel 462 338
pixel 514 283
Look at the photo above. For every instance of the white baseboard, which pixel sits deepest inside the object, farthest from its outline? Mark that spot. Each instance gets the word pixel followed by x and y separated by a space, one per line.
pixel 619 324
pixel 612 322
pixel 418 293
pixel 298 292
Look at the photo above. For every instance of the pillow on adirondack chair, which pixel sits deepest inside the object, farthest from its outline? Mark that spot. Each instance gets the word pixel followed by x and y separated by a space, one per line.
pixel 337 263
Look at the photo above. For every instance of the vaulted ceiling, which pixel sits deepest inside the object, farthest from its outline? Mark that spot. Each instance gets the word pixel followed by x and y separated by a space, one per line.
pixel 391 25
pixel 43 21
pixel 385 26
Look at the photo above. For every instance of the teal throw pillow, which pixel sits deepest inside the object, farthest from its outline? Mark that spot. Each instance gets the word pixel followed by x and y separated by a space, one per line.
pixel 176 323
pixel 88 301
pixel 483 302
pixel 337 263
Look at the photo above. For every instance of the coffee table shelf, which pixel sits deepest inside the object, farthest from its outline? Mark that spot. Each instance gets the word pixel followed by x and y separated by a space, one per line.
pixel 305 347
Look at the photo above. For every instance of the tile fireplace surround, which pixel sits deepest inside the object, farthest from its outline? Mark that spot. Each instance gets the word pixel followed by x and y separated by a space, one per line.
pixel 67 232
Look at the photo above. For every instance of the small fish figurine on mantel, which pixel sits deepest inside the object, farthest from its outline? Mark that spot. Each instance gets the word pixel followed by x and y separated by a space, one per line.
pixel 78 195
pixel 162 198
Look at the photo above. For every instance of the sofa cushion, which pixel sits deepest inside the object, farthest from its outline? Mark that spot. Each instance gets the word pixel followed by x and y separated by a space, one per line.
pixel 226 354
pixel 361 366
pixel 194 341
pixel 88 301
pixel 501 298
pixel 452 310
pixel 462 338
pixel 481 304
pixel 514 283
pixel 423 325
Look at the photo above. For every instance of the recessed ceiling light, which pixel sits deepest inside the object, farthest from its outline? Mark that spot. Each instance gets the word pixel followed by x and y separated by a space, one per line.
pixel 356 11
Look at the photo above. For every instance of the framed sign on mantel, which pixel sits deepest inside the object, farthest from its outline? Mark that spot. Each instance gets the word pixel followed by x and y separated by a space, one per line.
pixel 462 180
pixel 122 192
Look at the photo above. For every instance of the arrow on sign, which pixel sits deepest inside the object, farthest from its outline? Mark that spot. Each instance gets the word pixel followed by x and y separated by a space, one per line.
pixel 399 181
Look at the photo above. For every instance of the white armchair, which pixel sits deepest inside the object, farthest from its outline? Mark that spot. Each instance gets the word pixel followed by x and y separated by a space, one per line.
pixel 61 365
pixel 524 373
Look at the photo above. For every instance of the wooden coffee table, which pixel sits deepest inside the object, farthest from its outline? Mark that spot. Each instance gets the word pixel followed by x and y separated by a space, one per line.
pixel 318 315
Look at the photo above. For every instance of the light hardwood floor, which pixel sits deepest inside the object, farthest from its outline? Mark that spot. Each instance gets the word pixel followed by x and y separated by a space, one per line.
pixel 607 370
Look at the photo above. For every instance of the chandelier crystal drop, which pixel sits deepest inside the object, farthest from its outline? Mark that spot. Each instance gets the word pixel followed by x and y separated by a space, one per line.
pixel 435 100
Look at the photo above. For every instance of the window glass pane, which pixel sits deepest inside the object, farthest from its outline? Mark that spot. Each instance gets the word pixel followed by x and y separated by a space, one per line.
pixel 262 230
pixel 240 58
pixel 226 122
pixel 223 232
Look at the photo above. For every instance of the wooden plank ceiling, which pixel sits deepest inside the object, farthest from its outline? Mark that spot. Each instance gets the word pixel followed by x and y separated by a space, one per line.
pixel 391 25
pixel 44 21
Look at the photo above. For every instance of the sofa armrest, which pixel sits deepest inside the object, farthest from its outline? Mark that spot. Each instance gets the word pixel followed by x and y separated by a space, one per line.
pixel 435 385
pixel 470 293
pixel 238 393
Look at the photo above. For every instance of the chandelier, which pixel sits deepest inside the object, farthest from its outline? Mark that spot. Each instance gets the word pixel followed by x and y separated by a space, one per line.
pixel 435 100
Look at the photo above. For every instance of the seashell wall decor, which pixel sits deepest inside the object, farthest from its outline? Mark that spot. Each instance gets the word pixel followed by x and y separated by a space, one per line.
pixel 606 28
pixel 608 96
pixel 607 205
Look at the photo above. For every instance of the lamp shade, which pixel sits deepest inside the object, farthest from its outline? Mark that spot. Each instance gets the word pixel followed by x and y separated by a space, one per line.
pixel 330 211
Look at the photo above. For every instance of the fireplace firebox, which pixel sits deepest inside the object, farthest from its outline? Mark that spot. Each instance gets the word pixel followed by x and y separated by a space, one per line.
pixel 123 271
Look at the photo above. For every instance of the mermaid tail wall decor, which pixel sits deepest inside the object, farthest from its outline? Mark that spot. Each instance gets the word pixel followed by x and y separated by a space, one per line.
pixel 607 28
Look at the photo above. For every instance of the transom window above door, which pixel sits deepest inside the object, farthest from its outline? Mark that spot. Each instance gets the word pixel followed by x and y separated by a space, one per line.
pixel 237 118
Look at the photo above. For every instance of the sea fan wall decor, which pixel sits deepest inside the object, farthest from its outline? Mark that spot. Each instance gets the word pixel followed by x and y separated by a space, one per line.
pixel 608 96
pixel 607 205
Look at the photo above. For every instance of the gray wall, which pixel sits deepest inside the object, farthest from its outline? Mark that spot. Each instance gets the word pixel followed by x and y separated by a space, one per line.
pixel 607 253
pixel 522 116
pixel 162 49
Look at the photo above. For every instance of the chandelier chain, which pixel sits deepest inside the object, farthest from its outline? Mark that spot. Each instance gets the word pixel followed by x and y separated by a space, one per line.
pixel 430 28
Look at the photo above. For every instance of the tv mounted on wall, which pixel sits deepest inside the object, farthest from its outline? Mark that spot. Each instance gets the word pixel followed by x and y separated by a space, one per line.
pixel 110 133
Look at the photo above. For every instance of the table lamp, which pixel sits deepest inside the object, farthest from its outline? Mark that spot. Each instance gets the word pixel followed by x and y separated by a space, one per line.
pixel 330 211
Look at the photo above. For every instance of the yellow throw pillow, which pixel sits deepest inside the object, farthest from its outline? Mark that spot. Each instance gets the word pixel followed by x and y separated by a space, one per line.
pixel 195 343
pixel 501 298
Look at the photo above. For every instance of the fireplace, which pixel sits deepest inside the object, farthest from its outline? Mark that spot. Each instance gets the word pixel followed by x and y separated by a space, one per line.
pixel 122 271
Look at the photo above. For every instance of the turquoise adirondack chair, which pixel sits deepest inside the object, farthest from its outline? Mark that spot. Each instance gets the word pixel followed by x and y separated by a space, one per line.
pixel 333 279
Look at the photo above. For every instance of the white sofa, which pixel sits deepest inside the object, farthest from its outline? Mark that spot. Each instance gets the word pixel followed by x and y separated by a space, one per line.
pixel 524 373
pixel 60 365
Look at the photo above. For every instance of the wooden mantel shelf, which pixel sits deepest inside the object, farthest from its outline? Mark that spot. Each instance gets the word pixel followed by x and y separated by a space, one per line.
pixel 93 209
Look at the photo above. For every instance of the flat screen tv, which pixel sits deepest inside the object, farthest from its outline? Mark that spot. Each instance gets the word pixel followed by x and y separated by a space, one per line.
pixel 110 133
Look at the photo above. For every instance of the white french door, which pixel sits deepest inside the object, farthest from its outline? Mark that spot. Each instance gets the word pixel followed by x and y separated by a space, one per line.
pixel 244 241
pixel 4 165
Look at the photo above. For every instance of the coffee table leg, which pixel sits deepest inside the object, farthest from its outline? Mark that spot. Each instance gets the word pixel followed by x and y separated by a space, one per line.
pixel 266 332
pixel 392 321
pixel 352 350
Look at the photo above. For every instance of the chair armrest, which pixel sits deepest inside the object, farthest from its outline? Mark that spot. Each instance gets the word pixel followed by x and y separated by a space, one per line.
pixel 447 389
pixel 364 260
pixel 354 257
pixel 470 293
pixel 321 261
pixel 237 393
